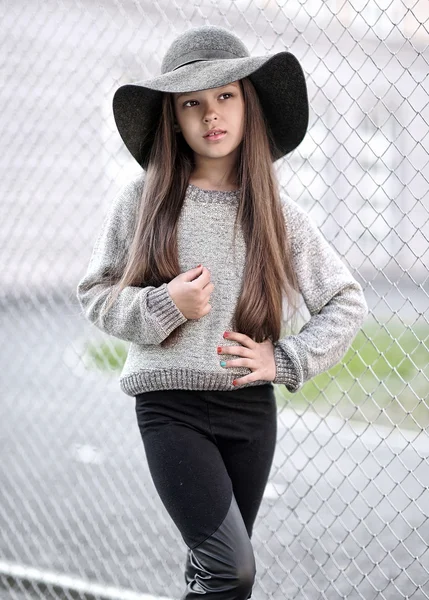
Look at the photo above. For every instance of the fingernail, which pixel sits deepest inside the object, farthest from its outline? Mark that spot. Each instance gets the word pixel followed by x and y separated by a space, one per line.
pixel 219 349
pixel 226 334
pixel 223 363
pixel 234 382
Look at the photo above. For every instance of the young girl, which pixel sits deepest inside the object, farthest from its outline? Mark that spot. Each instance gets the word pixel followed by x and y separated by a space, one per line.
pixel 194 262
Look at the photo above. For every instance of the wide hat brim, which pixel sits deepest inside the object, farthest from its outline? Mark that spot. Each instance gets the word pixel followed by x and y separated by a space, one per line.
pixel 278 79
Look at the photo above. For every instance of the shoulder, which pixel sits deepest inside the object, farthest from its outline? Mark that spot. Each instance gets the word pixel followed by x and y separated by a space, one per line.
pixel 299 224
pixel 122 210
pixel 130 192
pixel 291 209
pixel 127 198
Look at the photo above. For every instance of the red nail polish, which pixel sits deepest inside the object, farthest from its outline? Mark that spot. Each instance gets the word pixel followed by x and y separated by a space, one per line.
pixel 219 349
pixel 234 382
pixel 226 334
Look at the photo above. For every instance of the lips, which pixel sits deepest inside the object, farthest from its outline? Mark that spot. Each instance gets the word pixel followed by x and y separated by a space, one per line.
pixel 214 131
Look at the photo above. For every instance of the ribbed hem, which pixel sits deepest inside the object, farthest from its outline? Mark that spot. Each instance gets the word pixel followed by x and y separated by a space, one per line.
pixel 288 372
pixel 184 379
pixel 164 309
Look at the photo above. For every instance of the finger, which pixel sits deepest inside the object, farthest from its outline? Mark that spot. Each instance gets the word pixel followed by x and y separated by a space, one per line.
pixel 240 337
pixel 246 379
pixel 238 350
pixel 239 362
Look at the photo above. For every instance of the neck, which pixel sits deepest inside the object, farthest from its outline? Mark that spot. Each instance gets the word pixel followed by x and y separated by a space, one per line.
pixel 214 173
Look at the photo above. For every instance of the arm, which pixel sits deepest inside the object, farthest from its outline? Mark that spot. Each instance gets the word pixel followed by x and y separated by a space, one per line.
pixel 334 299
pixel 143 315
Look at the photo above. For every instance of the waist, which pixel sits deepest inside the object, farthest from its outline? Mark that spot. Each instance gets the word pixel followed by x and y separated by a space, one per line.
pixel 182 378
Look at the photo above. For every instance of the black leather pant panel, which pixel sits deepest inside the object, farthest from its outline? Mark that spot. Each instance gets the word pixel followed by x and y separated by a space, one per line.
pixel 223 566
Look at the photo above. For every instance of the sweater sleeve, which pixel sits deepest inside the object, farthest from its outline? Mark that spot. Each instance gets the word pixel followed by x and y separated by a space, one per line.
pixel 334 298
pixel 143 315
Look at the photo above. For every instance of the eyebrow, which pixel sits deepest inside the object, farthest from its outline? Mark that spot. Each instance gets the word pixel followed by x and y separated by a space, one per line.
pixel 191 93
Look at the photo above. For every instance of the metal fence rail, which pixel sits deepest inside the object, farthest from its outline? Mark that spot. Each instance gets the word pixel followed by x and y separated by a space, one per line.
pixel 345 512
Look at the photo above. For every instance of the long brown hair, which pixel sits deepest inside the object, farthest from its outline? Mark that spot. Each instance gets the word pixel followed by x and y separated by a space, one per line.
pixel 153 253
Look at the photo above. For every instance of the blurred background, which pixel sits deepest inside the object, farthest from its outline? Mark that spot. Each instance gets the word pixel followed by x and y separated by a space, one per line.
pixel 345 513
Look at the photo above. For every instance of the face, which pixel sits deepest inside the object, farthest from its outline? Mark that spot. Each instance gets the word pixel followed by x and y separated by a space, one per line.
pixel 198 112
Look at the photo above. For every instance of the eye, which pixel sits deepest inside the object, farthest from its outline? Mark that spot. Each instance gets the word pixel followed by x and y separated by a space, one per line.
pixel 224 94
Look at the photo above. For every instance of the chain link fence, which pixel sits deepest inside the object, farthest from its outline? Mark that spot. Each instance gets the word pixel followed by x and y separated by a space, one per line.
pixel 345 513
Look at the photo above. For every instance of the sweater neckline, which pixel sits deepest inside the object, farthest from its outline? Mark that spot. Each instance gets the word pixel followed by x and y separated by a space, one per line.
pixel 227 192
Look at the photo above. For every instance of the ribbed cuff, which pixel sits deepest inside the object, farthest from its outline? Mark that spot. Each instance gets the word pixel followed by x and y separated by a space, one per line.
pixel 286 372
pixel 164 309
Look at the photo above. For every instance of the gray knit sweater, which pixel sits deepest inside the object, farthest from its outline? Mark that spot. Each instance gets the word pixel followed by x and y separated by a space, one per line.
pixel 145 316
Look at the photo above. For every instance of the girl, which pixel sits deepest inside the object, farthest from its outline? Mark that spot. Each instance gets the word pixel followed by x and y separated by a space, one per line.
pixel 205 338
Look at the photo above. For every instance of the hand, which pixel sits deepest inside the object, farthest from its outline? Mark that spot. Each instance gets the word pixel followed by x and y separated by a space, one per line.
pixel 190 291
pixel 259 357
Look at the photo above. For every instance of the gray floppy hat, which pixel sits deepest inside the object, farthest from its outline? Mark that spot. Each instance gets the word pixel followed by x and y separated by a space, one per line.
pixel 207 57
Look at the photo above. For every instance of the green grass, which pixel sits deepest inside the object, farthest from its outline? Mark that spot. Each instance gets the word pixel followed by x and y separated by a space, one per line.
pixel 382 379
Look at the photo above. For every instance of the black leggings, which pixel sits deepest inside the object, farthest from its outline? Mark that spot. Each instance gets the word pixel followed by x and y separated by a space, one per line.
pixel 210 454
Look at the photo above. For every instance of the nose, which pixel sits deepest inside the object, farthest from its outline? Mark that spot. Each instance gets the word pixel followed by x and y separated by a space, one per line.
pixel 209 114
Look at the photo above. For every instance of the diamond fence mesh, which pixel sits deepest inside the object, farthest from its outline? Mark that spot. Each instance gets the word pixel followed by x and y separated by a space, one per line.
pixel 345 513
